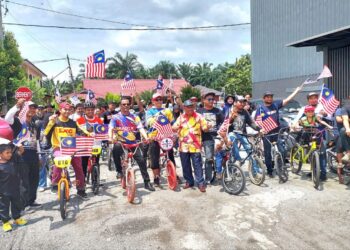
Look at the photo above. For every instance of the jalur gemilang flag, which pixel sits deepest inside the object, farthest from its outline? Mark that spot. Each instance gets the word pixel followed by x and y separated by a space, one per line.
pixel 328 101
pixel 95 66
pixel 128 85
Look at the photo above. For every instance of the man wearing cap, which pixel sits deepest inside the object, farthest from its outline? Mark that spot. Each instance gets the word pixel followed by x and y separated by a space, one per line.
pixel 107 115
pixel 151 116
pixel 271 108
pixel 214 118
pixel 189 127
pixel 30 171
pixel 62 126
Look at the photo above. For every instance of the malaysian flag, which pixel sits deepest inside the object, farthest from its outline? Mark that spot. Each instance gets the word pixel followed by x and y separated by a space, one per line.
pixel 161 88
pixel 101 132
pixel 23 135
pixel 95 66
pixel 265 121
pixel 224 126
pixel 83 144
pixel 171 84
pixel 90 97
pixel 128 86
pixel 163 127
pixel 328 101
pixel 22 114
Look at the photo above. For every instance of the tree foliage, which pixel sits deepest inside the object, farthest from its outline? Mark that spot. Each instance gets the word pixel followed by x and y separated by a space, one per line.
pixel 188 91
pixel 112 97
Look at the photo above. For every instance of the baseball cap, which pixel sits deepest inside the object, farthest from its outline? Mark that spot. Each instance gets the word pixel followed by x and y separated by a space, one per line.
pixel 209 93
pixel 156 95
pixel 32 104
pixel 65 105
pixel 309 108
pixel 239 98
pixel 194 99
pixel 268 93
pixel 188 103
pixel 311 94
pixel 40 107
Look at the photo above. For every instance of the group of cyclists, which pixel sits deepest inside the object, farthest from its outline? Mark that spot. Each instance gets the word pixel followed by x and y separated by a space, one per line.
pixel 202 130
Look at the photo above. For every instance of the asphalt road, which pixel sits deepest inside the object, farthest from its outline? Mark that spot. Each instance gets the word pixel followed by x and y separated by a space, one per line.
pixel 292 215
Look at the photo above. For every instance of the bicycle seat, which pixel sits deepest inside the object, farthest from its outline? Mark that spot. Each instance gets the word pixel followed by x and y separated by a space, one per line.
pixel 130 146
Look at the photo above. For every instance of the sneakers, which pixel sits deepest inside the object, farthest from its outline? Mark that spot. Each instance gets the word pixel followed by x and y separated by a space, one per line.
pixel 41 189
pixel 219 176
pixel 119 175
pixel 7 227
pixel 188 185
pixel 271 175
pixel 178 180
pixel 346 158
pixel 82 194
pixel 157 181
pixel 21 222
pixel 149 186
pixel 323 177
pixel 202 188
pixel 35 204
pixel 54 189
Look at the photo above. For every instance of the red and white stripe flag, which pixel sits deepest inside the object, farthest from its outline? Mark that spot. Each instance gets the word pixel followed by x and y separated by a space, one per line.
pixel 128 85
pixel 330 104
pixel 224 126
pixel 265 121
pixel 95 66
pixel 163 127
pixel 22 114
pixel 83 144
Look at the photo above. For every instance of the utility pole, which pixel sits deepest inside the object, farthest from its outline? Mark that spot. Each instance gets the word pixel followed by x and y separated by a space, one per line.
pixel 4 94
pixel 71 73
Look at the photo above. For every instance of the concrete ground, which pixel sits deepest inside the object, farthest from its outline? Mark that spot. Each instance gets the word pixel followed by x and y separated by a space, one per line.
pixel 292 215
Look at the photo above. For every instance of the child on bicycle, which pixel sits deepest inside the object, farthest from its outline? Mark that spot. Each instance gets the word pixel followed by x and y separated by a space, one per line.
pixel 9 188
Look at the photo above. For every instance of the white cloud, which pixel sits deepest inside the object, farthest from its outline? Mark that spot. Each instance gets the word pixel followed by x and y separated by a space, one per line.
pixel 230 12
pixel 246 47
pixel 177 53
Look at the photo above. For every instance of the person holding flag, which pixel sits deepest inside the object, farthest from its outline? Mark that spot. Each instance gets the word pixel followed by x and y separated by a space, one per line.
pixel 151 116
pixel 86 124
pixel 61 126
pixel 268 113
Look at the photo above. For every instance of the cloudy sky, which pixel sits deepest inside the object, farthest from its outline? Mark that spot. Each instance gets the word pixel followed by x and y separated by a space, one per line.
pixel 216 46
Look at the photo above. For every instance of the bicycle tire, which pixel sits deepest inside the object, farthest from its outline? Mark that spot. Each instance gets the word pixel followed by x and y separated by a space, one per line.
pixel 172 177
pixel 296 161
pixel 110 162
pixel 281 169
pixel 95 179
pixel 105 153
pixel 315 169
pixel 63 201
pixel 131 186
pixel 332 162
pixel 233 178
pixel 213 172
pixel 257 178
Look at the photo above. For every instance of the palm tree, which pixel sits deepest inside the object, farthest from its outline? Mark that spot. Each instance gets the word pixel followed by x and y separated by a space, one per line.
pixel 185 70
pixel 119 65
pixel 201 75
pixel 166 68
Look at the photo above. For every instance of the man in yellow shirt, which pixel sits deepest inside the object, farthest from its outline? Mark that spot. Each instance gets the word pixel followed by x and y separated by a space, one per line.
pixel 189 127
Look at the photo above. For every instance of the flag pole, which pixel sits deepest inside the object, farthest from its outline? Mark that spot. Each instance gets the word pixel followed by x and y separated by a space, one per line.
pixel 319 97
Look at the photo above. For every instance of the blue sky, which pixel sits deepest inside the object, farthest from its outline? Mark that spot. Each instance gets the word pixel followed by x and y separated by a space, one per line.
pixel 151 46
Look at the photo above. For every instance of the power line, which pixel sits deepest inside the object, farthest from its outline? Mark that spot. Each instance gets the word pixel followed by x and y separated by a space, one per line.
pixel 79 16
pixel 57 59
pixel 195 28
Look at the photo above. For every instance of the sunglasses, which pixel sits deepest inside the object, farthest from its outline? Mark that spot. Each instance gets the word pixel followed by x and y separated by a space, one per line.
pixel 191 106
pixel 125 104
pixel 210 99
pixel 158 99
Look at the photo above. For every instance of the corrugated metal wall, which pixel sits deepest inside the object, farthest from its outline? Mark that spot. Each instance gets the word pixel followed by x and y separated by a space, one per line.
pixel 339 64
pixel 276 23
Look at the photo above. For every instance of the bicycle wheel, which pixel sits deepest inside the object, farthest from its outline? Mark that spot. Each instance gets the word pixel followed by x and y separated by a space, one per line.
pixel 233 179
pixel 131 186
pixel 280 168
pixel 171 170
pixel 95 179
pixel 296 161
pixel 257 174
pixel 332 162
pixel 315 169
pixel 110 162
pixel 104 153
pixel 63 200
pixel 212 171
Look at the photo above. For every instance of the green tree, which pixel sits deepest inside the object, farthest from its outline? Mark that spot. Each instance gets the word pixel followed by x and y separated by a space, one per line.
pixel 38 92
pixel 239 76
pixel 120 65
pixel 10 68
pixel 185 70
pixel 146 96
pixel 165 68
pixel 201 74
pixel 188 91
pixel 112 97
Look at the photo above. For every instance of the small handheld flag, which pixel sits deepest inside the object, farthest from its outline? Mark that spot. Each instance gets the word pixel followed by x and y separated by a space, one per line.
pixel 326 73
pixel 81 145
pixel 265 121
pixel 128 85
pixel 328 101
pixel 101 131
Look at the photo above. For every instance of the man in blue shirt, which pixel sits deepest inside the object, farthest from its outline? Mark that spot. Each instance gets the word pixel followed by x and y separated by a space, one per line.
pixel 271 108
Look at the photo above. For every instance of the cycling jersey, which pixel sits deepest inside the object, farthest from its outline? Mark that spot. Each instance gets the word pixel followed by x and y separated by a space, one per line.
pixel 60 128
pixel 125 126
